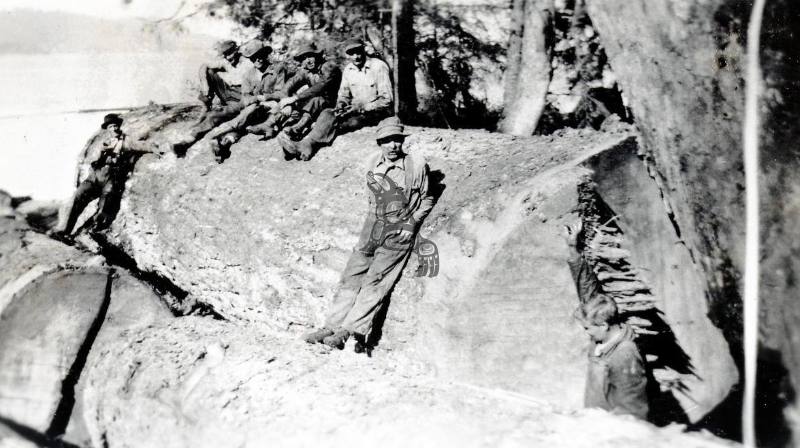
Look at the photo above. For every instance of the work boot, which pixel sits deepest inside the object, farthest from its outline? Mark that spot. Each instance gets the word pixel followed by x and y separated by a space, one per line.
pixel 316 337
pixel 299 128
pixel 337 339
pixel 288 145
pixel 361 344
pixel 305 150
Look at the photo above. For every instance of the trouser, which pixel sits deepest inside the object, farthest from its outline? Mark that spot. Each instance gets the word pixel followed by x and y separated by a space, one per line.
pixel 211 119
pixel 216 86
pixel 253 114
pixel 327 127
pixel 88 190
pixel 365 283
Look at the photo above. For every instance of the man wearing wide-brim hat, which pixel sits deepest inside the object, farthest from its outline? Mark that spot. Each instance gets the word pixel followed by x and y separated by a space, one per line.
pixel 399 200
pixel 309 92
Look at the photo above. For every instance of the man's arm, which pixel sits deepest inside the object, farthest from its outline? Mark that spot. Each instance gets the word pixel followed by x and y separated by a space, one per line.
pixel 344 96
pixel 427 200
pixel 586 281
pixel 383 83
pixel 330 76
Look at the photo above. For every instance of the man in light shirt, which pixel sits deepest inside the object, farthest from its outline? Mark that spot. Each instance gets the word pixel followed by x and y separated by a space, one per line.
pixel 364 99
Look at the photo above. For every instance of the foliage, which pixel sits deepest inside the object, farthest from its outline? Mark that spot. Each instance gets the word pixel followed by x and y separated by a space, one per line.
pixel 447 52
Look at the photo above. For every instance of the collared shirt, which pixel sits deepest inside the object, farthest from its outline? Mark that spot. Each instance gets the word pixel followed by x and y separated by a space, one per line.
pixel 274 81
pixel 232 75
pixel 369 87
pixel 411 174
pixel 394 170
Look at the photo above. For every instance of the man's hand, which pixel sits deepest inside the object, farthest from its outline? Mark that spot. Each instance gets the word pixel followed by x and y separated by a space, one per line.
pixel 287 101
pixel 572 231
pixel 404 236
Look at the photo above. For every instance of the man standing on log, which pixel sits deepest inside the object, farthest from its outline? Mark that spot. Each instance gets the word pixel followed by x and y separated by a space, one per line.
pixel 108 175
pixel 401 200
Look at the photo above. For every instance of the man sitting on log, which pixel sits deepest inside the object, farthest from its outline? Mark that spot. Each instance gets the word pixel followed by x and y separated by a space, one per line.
pixel 309 92
pixel 261 113
pixel 364 99
pixel 231 83
pixel 616 379
pixel 108 175
pixel 401 202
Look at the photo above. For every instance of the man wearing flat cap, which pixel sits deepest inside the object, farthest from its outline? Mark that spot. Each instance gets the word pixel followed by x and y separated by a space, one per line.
pixel 108 173
pixel 365 94
pixel 399 197
pixel 235 90
pixel 364 98
pixel 262 88
pixel 309 92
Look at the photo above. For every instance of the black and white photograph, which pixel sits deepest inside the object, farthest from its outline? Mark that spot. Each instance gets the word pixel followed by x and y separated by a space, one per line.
pixel 399 223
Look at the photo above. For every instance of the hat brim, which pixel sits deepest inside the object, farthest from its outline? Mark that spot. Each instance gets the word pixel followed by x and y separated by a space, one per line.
pixel 301 56
pixel 389 136
pixel 106 124
pixel 348 50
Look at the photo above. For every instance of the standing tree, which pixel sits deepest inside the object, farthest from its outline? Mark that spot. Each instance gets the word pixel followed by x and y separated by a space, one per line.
pixel 527 76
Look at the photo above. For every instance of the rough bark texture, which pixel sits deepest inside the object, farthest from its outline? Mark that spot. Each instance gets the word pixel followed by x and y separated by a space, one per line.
pixel 680 64
pixel 528 76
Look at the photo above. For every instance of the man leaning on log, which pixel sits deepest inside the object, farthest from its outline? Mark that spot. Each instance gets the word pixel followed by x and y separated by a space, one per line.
pixel 399 199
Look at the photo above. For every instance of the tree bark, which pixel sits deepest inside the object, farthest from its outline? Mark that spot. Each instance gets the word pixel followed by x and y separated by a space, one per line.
pixel 405 92
pixel 527 76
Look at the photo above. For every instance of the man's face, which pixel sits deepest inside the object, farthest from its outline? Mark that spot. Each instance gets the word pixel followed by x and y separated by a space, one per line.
pixel 261 62
pixel 114 129
pixel 357 57
pixel 392 147
pixel 309 62
pixel 232 57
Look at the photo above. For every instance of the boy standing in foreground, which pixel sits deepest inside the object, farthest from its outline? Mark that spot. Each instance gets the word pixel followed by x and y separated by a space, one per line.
pixel 616 379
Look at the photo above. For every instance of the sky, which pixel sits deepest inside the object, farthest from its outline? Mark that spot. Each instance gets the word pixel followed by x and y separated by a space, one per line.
pixel 96 54
pixel 130 9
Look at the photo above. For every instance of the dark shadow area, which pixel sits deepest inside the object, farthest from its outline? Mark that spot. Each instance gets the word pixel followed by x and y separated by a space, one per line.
pixel 774 391
pixel 58 426
pixel 668 354
pixel 656 342
pixel 34 436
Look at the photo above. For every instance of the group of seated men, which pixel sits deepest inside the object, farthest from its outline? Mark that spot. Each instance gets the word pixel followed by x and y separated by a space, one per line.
pixel 303 104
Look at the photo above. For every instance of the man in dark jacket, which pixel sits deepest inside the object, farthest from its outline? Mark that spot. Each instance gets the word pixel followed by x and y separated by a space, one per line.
pixel 108 174
pixel 616 379
pixel 312 90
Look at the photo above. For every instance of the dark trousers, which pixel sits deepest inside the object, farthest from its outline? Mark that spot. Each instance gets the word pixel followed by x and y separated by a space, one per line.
pixel 88 190
pixel 327 127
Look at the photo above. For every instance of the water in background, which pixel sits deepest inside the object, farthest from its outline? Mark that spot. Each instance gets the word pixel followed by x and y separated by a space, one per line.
pixel 42 131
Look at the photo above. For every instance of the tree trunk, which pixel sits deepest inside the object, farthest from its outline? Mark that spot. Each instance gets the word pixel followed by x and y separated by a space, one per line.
pixel 405 92
pixel 527 76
